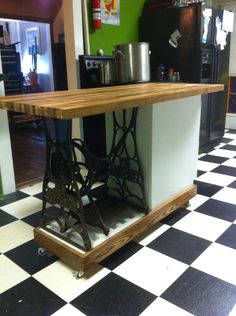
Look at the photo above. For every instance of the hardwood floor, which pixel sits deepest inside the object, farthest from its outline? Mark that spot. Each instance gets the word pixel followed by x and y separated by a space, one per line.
pixel 29 150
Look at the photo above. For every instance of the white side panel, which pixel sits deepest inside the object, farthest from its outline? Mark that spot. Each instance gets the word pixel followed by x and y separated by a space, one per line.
pixel 6 163
pixel 174 147
pixel 168 142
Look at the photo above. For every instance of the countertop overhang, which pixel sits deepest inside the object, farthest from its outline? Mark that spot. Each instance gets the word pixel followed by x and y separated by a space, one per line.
pixel 84 102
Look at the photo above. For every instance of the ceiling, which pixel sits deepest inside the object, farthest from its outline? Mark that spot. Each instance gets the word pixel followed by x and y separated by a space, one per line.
pixel 34 10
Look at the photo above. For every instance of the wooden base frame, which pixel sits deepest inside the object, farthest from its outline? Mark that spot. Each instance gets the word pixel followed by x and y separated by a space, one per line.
pixel 82 261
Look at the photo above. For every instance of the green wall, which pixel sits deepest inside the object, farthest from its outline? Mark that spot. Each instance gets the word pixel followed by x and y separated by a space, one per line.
pixel 126 32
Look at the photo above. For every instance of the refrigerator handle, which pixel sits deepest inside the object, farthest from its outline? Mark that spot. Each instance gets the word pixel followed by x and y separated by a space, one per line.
pixel 216 65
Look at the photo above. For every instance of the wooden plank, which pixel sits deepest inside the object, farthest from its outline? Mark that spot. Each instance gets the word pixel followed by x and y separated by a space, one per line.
pixel 83 261
pixel 85 102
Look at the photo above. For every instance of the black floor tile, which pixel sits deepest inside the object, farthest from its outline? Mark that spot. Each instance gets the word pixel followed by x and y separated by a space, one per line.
pixel 121 255
pixel 34 219
pixel 200 173
pixel 6 218
pixel 228 238
pixel 113 295
pixel 226 140
pixel 229 147
pixel 218 209
pixel 229 171
pixel 175 216
pixel 12 197
pixel 230 131
pixel 39 195
pixel 212 158
pixel 179 245
pixel 207 189
pixel 232 185
pixel 26 256
pixel 29 298
pixel 201 294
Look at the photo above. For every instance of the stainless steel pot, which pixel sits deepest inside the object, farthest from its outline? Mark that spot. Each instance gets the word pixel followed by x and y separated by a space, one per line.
pixel 107 72
pixel 132 62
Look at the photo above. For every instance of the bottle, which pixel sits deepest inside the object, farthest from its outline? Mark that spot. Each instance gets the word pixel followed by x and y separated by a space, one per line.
pixel 174 77
pixel 177 77
pixel 170 74
pixel 160 73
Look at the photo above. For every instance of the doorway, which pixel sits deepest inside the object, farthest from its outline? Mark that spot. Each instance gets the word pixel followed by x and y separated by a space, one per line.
pixel 26 132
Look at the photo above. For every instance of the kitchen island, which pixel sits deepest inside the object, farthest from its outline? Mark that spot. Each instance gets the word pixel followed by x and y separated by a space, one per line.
pixel 152 145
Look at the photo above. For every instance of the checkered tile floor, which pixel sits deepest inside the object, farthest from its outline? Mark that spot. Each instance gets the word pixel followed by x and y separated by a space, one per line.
pixel 185 266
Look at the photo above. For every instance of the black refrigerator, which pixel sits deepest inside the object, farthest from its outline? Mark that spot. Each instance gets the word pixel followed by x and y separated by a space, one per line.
pixel 195 41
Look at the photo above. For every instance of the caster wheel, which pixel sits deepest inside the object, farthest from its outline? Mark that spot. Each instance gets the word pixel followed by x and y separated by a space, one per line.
pixel 42 252
pixel 187 204
pixel 78 274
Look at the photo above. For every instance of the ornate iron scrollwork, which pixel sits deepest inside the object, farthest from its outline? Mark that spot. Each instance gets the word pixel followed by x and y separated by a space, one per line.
pixel 120 172
pixel 126 165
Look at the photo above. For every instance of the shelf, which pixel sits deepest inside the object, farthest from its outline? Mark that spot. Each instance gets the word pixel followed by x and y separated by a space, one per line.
pixel 77 259
pixel 231 104
pixel 18 119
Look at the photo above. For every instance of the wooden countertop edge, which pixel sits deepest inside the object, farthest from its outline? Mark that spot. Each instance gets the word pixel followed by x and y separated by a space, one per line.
pixel 85 102
pixel 130 103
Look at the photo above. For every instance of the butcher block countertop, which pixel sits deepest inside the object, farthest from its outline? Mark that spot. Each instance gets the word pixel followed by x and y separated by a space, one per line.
pixel 84 102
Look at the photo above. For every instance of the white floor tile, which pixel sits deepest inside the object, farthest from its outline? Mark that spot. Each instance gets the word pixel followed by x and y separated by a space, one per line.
pixel 223 153
pixel 206 166
pixel 197 201
pixel 33 189
pixel 68 310
pixel 24 207
pixel 14 234
pixel 229 135
pixel 220 145
pixel 216 178
pixel 226 194
pixel 202 225
pixel 10 274
pixel 164 308
pixel 230 163
pixel 232 142
pixel 152 234
pixel 201 155
pixel 58 277
pixel 151 270
pixel 219 261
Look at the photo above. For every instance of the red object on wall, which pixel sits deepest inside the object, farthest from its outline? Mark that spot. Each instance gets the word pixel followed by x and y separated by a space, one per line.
pixel 96 11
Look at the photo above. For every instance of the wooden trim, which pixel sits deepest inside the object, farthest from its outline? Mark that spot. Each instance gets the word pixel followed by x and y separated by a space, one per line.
pixel 25 18
pixel 83 261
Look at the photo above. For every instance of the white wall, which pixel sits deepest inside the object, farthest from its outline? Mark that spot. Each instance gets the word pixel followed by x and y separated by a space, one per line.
pixel 230 117
pixel 44 61
pixel 17 32
pixel 6 162
pixel 232 62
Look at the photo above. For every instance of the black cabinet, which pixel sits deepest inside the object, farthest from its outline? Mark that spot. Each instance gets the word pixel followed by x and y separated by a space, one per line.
pixel 185 38
pixel 212 120
pixel 11 68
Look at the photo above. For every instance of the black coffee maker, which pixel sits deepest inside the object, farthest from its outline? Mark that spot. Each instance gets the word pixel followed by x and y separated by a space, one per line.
pixel 96 71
